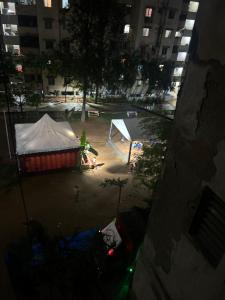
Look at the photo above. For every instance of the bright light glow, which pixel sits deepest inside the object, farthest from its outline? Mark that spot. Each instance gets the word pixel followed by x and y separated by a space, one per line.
pixel 145 31
pixel 181 56
pixel 127 28
pixel 185 41
pixel 48 3
pixel 111 252
pixel 70 133
pixel 178 71
pixel 168 33
pixel 178 34
pixel 131 270
pixel 148 12
pixel 189 24
pixel 193 6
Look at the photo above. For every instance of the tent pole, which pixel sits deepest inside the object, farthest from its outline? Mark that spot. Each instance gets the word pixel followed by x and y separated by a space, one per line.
pixel 110 132
pixel 129 155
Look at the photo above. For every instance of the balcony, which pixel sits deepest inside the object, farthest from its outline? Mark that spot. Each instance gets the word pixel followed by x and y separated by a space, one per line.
pixel 7 9
pixel 10 29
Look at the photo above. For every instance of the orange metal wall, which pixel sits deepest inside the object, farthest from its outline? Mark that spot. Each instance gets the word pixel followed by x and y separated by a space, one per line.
pixel 49 161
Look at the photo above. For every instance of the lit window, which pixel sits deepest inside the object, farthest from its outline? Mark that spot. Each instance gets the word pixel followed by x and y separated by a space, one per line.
pixel 178 34
pixel 127 28
pixel 148 12
pixel 65 3
pixel 189 24
pixel 181 56
pixel 193 6
pixel 178 71
pixel 185 41
pixel 48 3
pixel 27 2
pixel 10 29
pixel 161 67
pixel 145 31
pixel 168 33
pixel 7 8
pixel 14 49
pixel 19 68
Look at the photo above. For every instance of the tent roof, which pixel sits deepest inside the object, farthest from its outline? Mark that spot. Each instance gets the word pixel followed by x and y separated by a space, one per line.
pixel 132 129
pixel 46 135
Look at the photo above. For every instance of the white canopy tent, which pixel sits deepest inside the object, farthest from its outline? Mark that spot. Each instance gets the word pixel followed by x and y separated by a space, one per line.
pixel 46 135
pixel 131 129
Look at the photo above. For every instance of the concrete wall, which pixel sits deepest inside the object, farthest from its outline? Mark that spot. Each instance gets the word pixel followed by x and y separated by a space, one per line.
pixel 169 265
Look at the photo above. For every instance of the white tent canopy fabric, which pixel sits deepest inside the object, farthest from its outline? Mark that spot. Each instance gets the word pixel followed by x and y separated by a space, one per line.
pixel 120 125
pixel 132 129
pixel 46 135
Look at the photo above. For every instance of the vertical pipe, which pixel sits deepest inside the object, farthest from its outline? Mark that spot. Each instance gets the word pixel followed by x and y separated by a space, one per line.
pixel 7 136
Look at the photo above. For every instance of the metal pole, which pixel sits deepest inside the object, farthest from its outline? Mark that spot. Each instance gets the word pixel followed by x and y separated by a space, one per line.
pixel 129 155
pixel 7 136
pixel 110 131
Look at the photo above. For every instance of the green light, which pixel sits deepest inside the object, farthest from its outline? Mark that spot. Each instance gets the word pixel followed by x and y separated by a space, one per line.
pixel 130 270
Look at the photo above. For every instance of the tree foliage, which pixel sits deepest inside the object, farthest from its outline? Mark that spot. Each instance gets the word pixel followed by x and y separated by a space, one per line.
pixel 150 163
pixel 95 28
pixel 159 75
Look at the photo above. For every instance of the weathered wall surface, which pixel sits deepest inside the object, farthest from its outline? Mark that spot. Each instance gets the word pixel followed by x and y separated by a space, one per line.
pixel 169 265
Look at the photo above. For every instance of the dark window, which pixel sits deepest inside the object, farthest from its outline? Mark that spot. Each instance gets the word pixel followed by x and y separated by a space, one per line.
pixel 48 23
pixel 39 78
pixel 171 14
pixel 51 80
pixel 29 41
pixel 183 17
pixel 175 49
pixel 49 44
pixel 29 77
pixel 63 23
pixel 164 50
pixel 160 10
pixel 208 226
pixel 27 21
pixel 67 93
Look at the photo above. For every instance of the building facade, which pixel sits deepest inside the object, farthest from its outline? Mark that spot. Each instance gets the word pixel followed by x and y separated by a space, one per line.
pixel 159 29
pixel 162 29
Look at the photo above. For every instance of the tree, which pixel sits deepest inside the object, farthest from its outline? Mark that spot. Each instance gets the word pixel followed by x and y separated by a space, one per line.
pixel 94 27
pixel 120 183
pixel 37 64
pixel 149 164
pixel 33 99
pixel 19 91
pixel 122 71
pixel 7 74
pixel 159 75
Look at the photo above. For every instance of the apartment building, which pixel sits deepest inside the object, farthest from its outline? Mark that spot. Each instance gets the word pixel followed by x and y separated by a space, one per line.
pixel 160 29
